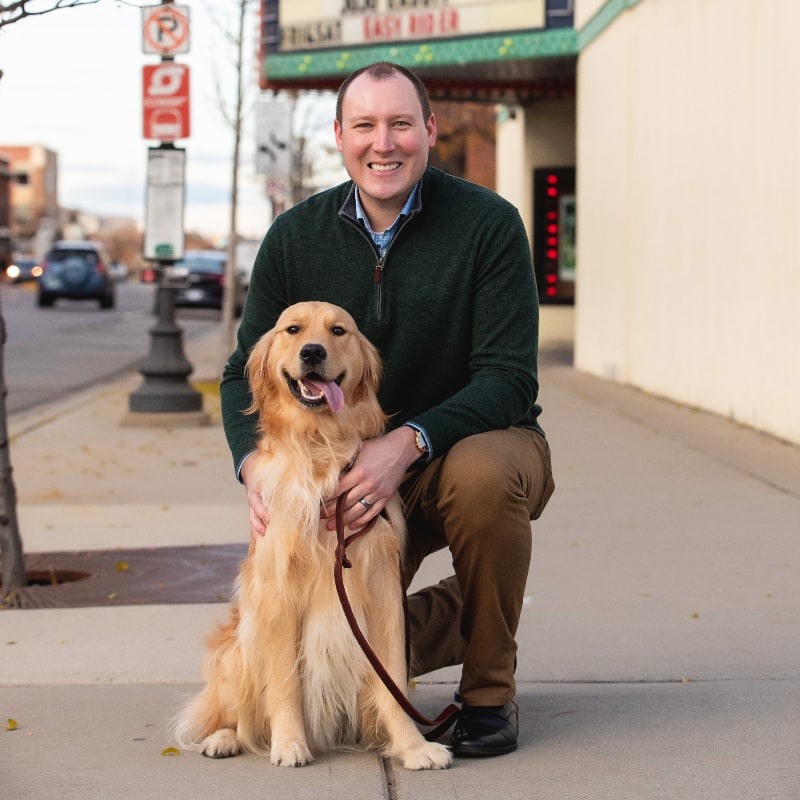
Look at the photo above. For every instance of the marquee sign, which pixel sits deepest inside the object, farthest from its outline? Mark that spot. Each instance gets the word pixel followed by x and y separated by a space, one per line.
pixel 349 23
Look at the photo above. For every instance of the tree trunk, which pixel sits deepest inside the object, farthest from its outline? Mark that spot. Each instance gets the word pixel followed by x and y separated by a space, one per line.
pixel 232 270
pixel 13 567
pixel 12 570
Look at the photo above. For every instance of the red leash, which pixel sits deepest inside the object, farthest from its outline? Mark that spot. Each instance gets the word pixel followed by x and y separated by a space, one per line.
pixel 448 716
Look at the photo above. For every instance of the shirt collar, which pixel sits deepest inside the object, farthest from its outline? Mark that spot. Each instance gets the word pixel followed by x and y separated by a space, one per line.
pixel 404 212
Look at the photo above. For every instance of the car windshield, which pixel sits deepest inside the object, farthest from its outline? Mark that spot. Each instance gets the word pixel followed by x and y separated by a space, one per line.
pixel 64 255
pixel 202 264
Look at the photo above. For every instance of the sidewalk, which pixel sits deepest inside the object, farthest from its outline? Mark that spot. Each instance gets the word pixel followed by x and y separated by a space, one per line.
pixel 658 646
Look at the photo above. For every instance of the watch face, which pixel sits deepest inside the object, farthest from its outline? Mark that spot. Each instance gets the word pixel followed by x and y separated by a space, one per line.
pixel 421 446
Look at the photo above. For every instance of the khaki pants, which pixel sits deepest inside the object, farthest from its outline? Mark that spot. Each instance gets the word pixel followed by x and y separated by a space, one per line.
pixel 478 500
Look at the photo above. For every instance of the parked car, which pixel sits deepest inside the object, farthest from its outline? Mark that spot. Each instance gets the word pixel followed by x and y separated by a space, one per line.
pixel 118 270
pixel 23 269
pixel 200 280
pixel 76 271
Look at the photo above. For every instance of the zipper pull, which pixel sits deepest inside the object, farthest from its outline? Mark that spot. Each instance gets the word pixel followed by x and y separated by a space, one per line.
pixel 378 272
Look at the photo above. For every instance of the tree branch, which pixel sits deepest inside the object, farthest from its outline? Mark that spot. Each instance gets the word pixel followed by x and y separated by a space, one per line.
pixel 20 9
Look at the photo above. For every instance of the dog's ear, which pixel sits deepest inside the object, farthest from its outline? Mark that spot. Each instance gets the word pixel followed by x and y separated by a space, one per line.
pixel 258 371
pixel 373 368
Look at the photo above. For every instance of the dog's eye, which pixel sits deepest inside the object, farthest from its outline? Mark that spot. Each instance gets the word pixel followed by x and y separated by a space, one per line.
pixel 338 330
pixel 293 330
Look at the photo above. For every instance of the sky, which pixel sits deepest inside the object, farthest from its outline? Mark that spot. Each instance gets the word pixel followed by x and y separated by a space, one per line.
pixel 73 82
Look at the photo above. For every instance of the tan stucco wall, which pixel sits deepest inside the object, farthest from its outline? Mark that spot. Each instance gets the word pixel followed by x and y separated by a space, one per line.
pixel 584 10
pixel 688 173
pixel 509 154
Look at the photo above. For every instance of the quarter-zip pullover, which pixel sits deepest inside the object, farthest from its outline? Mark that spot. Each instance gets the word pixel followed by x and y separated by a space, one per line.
pixel 451 307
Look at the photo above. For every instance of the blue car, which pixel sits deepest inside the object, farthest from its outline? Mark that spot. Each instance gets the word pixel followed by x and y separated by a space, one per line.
pixel 76 271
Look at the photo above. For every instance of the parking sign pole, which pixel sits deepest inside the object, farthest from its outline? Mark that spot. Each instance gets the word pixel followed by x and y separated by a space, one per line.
pixel 165 396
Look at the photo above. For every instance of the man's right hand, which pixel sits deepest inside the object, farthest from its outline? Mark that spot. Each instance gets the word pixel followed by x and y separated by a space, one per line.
pixel 259 515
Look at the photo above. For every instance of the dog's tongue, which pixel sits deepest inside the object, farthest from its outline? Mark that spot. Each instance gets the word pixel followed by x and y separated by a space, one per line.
pixel 331 390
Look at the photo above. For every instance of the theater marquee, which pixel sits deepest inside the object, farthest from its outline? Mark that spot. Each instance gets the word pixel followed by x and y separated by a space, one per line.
pixel 351 23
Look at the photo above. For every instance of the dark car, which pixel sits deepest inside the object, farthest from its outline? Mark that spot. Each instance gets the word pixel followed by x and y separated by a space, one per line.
pixel 76 271
pixel 200 280
pixel 23 269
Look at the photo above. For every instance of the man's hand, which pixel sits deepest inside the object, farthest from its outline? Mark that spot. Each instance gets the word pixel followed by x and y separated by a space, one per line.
pixel 259 514
pixel 373 479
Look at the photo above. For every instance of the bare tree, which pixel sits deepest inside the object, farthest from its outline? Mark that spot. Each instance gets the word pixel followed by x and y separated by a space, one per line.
pixel 234 118
pixel 232 268
pixel 21 9
pixel 13 574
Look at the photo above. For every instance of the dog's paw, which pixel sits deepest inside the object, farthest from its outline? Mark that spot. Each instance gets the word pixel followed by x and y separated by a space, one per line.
pixel 428 755
pixel 289 753
pixel 221 744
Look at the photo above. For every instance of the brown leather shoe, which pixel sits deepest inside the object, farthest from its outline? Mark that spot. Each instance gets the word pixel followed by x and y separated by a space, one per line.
pixel 483 731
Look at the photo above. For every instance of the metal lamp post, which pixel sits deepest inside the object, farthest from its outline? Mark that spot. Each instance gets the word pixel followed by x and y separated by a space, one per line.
pixel 165 391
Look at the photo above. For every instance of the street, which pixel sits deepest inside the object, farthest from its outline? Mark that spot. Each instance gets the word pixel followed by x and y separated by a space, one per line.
pixel 51 352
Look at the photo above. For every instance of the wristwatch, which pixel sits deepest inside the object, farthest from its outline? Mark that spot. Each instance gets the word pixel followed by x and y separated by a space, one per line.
pixel 421 444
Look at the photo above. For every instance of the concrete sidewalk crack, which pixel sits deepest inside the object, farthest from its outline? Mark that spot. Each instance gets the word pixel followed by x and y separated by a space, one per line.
pixel 389 782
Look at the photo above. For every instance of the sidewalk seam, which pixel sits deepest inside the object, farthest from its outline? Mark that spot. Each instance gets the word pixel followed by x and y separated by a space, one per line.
pixel 389 782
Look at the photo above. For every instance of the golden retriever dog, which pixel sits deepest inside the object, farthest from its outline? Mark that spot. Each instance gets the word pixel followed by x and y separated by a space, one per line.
pixel 285 674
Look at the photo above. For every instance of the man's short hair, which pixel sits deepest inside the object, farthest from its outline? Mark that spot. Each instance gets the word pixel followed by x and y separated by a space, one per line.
pixel 379 71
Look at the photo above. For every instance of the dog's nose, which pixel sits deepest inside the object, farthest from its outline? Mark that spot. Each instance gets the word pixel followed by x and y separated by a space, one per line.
pixel 313 353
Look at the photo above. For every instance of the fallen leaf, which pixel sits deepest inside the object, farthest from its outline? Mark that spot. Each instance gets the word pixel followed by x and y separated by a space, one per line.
pixel 170 751
pixel 122 566
pixel 11 725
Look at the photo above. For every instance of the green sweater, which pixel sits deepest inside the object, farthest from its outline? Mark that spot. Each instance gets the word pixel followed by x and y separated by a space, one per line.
pixel 452 308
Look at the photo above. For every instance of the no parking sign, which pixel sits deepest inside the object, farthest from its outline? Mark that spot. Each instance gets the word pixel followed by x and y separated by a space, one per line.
pixel 165 29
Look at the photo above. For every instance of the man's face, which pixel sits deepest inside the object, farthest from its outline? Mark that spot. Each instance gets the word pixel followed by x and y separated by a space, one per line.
pixel 384 142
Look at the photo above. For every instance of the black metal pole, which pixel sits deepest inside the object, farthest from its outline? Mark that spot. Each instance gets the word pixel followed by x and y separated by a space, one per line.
pixel 165 391
pixel 165 369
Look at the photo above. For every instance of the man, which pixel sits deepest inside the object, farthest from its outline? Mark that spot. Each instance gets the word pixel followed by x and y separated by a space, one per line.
pixel 437 273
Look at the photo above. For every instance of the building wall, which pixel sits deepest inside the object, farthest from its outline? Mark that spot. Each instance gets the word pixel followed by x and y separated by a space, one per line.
pixel 511 182
pixel 688 188
pixel 585 10
pixel 35 200
pixel 550 139
pixel 539 135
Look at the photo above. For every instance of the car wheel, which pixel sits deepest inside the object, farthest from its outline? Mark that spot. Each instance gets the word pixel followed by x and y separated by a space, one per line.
pixel 107 301
pixel 46 301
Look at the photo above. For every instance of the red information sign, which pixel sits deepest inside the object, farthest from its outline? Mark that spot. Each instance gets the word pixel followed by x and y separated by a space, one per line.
pixel 165 101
